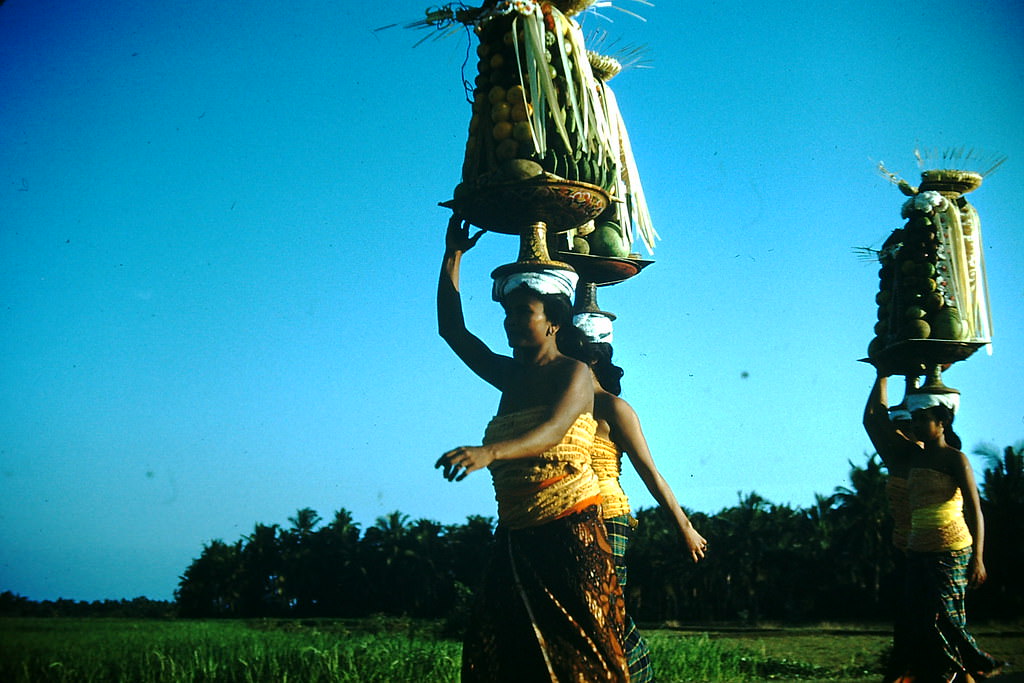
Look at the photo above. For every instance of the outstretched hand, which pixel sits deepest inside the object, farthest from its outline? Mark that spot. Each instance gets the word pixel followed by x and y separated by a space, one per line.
pixel 457 237
pixel 697 544
pixel 459 462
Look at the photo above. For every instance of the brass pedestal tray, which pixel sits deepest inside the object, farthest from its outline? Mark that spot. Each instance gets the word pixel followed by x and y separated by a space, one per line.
pixel 913 356
pixel 603 270
pixel 526 208
pixel 508 207
pixel 586 300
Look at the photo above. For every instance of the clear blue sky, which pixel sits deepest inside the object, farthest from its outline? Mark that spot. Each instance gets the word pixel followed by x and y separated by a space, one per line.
pixel 219 239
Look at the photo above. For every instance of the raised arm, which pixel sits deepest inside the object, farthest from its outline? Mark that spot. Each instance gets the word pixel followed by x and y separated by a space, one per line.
pixel 451 324
pixel 888 441
pixel 628 435
pixel 575 396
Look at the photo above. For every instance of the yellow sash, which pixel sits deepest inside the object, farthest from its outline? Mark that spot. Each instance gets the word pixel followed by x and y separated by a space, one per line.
pixel 560 481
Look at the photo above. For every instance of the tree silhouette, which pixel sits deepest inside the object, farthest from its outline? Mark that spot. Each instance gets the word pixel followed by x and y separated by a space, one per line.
pixel 862 534
pixel 299 551
pixel 209 586
pixel 831 560
pixel 1002 490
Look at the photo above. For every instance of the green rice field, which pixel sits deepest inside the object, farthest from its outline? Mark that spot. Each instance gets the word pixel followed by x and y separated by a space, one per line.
pixel 393 650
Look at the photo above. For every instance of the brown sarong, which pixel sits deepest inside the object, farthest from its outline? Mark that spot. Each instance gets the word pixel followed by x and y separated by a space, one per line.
pixel 550 608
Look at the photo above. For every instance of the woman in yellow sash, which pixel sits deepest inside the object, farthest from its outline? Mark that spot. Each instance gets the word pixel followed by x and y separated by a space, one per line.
pixel 946 540
pixel 619 432
pixel 550 607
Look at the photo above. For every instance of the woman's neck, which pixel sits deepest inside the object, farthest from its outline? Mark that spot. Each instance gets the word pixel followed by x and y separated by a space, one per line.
pixel 536 355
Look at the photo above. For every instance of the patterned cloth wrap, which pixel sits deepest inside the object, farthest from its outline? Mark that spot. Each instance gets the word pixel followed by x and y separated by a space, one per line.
pixel 899 508
pixel 607 462
pixel 939 646
pixel 550 607
pixel 560 481
pixel 638 655
pixel 936 513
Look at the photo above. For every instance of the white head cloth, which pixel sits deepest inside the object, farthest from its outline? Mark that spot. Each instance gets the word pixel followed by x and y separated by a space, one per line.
pixel 899 413
pixel 922 400
pixel 552 281
pixel 597 326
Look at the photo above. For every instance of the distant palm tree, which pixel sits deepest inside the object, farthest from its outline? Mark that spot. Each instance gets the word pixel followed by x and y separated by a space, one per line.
pixel 1003 480
pixel 299 564
pixel 864 527
pixel 262 578
pixel 1002 490
pixel 304 521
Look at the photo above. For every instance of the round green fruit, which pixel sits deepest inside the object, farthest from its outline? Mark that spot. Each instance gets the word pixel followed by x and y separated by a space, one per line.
pixel 606 240
pixel 947 324
pixel 933 302
pixel 913 313
pixel 580 245
pixel 875 347
pixel 916 329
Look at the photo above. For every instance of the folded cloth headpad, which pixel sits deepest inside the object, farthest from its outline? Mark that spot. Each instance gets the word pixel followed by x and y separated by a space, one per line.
pixel 547 281
pixel 597 326
pixel 923 400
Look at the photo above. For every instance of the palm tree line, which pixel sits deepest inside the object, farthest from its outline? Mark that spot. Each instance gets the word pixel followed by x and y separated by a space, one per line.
pixel 831 560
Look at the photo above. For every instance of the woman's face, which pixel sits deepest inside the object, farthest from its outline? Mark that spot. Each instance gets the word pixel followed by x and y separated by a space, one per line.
pixel 526 324
pixel 925 426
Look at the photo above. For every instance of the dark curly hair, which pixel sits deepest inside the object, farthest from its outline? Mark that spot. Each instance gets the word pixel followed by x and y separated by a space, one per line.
pixel 598 355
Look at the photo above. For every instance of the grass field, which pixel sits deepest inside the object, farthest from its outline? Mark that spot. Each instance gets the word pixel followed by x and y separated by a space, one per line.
pixel 144 651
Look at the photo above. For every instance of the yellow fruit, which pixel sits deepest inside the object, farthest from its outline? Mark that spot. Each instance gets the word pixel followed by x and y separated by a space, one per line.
pixel 515 95
pixel 501 112
pixel 496 94
pixel 520 112
pixel 502 130
pixel 522 132
pixel 507 149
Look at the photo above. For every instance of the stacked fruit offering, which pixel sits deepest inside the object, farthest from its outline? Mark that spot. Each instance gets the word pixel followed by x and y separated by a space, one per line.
pixel 929 282
pixel 534 102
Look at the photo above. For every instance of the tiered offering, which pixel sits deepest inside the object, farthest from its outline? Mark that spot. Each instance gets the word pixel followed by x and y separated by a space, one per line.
pixel 546 153
pixel 933 296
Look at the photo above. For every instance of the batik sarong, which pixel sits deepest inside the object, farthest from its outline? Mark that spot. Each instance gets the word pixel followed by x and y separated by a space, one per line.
pixel 940 647
pixel 638 655
pixel 550 608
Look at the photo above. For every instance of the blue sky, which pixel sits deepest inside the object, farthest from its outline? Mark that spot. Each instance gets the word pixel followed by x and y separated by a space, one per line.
pixel 219 239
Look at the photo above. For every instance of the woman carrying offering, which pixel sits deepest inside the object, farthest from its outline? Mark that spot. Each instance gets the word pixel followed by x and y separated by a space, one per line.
pixel 550 607
pixel 618 432
pixel 946 541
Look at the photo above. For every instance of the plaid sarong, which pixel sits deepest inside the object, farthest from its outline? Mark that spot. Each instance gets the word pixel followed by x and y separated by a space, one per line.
pixel 940 647
pixel 638 655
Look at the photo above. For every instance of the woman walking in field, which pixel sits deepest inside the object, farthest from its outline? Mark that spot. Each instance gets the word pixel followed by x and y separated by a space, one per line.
pixel 897 468
pixel 550 607
pixel 945 545
pixel 618 432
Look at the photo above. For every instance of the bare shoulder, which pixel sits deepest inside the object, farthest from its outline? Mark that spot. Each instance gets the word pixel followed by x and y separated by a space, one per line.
pixel 621 412
pixel 953 462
